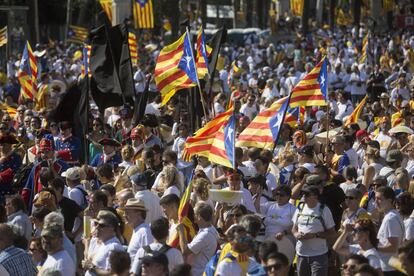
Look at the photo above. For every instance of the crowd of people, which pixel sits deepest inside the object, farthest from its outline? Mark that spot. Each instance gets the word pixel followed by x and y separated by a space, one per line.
pixel 318 204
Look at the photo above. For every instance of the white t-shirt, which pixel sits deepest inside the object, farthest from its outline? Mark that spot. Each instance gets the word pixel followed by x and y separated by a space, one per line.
pixel 384 141
pixel 225 268
pixel 141 236
pixel 277 218
pixel 99 252
pixel 308 222
pixel 249 111
pixel 353 157
pixel 246 199
pixel 371 254
pixel 409 227
pixel 152 203
pixel 392 226
pixel 174 257
pixel 347 186
pixel 203 246
pixel 60 261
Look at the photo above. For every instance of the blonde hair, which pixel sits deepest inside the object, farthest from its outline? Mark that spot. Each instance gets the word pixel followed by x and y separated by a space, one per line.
pixel 168 177
pixel 201 187
pixel 287 155
pixel 127 152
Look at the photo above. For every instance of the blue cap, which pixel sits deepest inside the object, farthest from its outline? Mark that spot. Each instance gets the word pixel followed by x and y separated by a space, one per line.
pixel 139 179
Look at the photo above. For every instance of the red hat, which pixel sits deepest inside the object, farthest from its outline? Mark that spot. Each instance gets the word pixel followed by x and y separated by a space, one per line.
pixel 46 145
pixel 109 142
pixel 8 139
pixel 361 133
pixel 138 132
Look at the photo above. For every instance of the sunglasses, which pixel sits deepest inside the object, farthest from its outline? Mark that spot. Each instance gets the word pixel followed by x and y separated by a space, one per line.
pixel 245 239
pixel 350 267
pixel 350 197
pixel 275 267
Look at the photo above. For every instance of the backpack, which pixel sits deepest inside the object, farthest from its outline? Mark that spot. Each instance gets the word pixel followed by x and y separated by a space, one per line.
pixel 164 249
pixel 301 205
pixel 20 177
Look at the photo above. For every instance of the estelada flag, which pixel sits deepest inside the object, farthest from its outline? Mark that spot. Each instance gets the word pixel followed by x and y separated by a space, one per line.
pixel 27 74
pixel 202 55
pixel 263 131
pixel 143 14
pixel 175 68
pixel 312 89
pixel 133 50
pixel 107 7
pixel 353 118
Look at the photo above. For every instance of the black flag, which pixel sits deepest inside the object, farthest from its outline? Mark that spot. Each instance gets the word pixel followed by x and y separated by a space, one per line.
pixel 215 42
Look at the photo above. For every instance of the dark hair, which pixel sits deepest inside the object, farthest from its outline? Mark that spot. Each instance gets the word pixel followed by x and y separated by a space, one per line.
pixel 58 184
pixel 284 189
pixel 324 169
pixel 40 213
pixel 181 270
pixel 253 153
pixel 109 188
pixel 171 155
pixel 231 233
pixel 119 261
pixel 17 202
pixel 105 170
pixel 45 176
pixel 160 228
pixel 38 242
pixel 406 203
pixel 387 192
pixel 100 196
pixel 359 258
pixel 252 224
pixel 170 199
pixel 367 269
pixel 374 144
pixel 205 211
pixel 277 255
pixel 369 226
pixel 265 248
pixel 350 173
pixel 3 214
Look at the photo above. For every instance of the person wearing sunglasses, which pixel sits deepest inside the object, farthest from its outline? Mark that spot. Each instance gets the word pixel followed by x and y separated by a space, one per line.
pixel 276 264
pixel 313 224
pixel 353 211
pixel 351 264
pixel 363 233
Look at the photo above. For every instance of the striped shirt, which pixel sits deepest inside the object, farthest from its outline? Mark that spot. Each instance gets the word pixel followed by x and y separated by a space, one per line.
pixel 17 261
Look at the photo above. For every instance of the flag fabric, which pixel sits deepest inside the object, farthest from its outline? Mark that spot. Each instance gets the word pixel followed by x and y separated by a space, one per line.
pixel 86 57
pixel 201 142
pixel 202 55
pixel 364 51
pixel 3 36
pixel 295 116
pixel 77 34
pixel 264 130
pixel 111 76
pixel 296 6
pixel 143 14
pixel 183 209
pixel 215 42
pixel 353 118
pixel 222 150
pixel 133 50
pixel 312 89
pixel 175 68
pixel 343 18
pixel 106 6
pixel 388 5
pixel 9 109
pixel 27 74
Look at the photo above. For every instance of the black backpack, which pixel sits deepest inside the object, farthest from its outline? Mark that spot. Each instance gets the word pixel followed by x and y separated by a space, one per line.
pixel 20 177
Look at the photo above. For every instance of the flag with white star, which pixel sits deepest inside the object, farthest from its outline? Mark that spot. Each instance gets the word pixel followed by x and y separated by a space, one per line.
pixel 187 63
pixel 312 89
pixel 275 122
pixel 229 140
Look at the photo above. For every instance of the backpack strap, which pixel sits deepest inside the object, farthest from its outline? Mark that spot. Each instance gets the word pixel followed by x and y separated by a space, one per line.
pixel 147 249
pixel 321 207
pixel 164 248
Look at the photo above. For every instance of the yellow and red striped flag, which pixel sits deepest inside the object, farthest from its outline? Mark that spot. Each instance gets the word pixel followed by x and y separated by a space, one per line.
pixel 262 132
pixel 183 218
pixel 3 36
pixel 296 7
pixel 175 68
pixel 77 34
pixel 364 51
pixel 201 142
pixel 107 8
pixel 353 118
pixel 133 50
pixel 86 57
pixel 388 5
pixel 312 89
pixel 27 74
pixel 143 14
pixel 202 55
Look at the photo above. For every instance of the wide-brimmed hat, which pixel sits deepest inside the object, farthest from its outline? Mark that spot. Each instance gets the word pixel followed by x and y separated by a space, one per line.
pixel 401 129
pixel 109 142
pixel 135 204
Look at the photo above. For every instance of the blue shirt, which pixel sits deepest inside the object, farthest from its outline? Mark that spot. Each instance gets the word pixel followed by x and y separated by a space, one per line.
pixel 17 262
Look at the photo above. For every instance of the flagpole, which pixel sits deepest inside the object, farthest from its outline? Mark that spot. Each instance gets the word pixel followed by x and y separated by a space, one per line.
pixel 195 66
pixel 327 112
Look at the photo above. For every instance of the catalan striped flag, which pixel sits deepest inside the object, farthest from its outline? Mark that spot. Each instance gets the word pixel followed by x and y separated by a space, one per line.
pixel 3 36
pixel 107 8
pixel 353 118
pixel 312 89
pixel 263 131
pixel 233 70
pixel 143 14
pixel 296 7
pixel 364 51
pixel 27 74
pixel 295 116
pixel 201 142
pixel 202 55
pixel 222 150
pixel 133 50
pixel 86 57
pixel 183 218
pixel 175 68
pixel 9 109
pixel 77 34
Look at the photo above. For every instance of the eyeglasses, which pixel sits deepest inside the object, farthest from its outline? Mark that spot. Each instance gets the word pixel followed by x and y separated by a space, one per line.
pixel 245 239
pixel 275 267
pixel 350 267
pixel 53 125
pixel 350 197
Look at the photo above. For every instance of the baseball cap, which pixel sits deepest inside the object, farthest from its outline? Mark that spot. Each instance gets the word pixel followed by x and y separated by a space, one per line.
pixel 139 179
pixel 314 180
pixel 52 230
pixel 306 150
pixel 72 173
pixel 394 156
